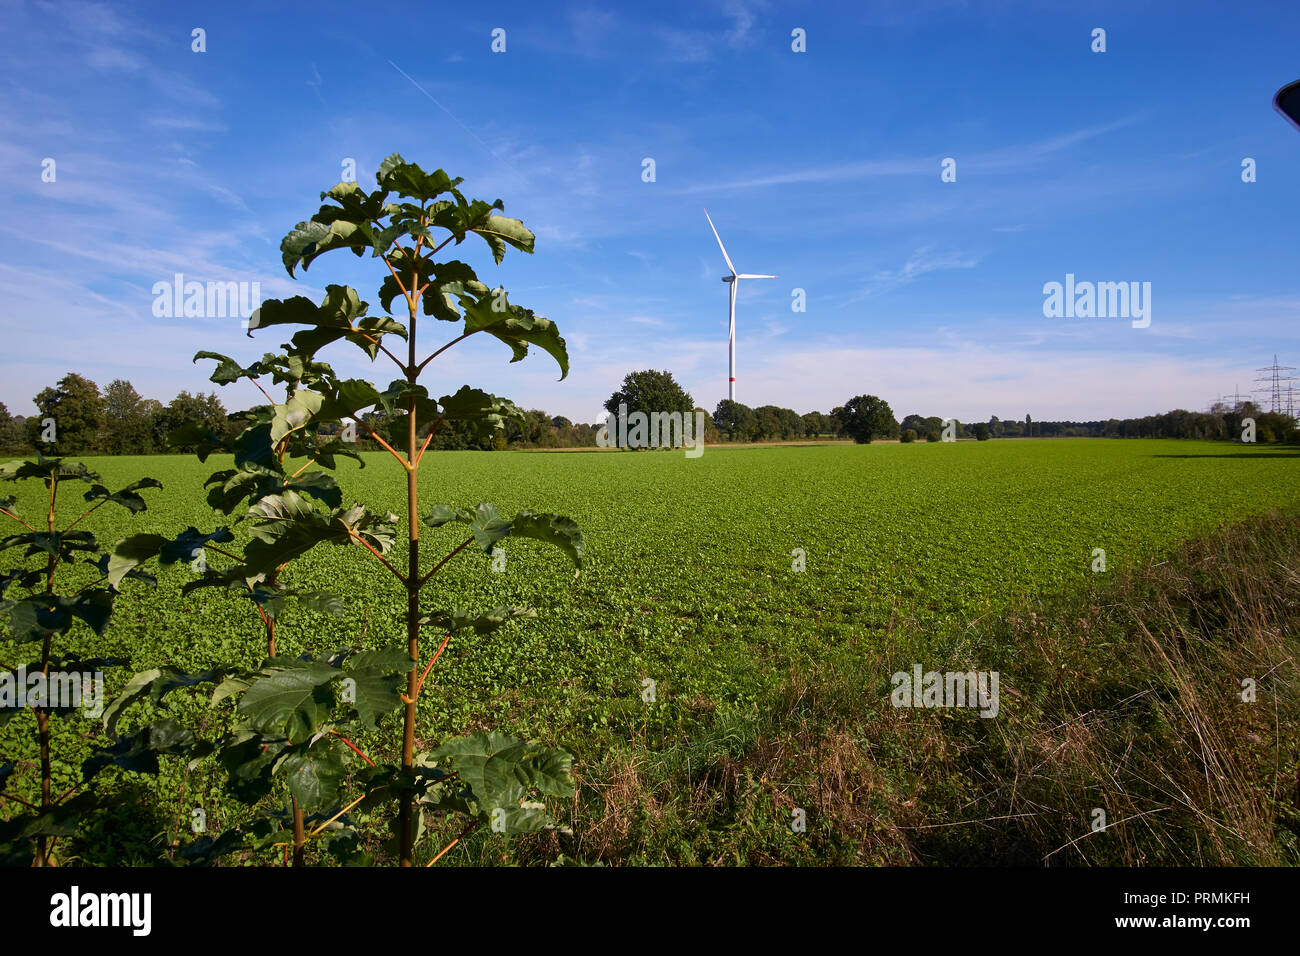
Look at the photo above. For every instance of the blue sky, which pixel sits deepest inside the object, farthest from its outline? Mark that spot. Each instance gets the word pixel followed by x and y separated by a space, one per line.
pixel 823 167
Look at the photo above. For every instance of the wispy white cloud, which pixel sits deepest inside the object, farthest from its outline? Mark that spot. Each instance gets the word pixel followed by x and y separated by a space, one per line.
pixel 193 123
pixel 1002 161
pixel 593 32
pixel 700 44
pixel 921 262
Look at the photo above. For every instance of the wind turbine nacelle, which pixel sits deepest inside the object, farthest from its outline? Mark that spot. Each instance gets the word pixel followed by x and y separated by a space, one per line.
pixel 728 278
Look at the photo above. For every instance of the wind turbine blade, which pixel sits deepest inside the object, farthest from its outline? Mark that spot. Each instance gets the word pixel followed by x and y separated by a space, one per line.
pixel 720 245
pixel 748 276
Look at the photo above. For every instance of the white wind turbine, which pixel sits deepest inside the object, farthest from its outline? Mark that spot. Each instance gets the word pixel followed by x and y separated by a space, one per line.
pixel 732 280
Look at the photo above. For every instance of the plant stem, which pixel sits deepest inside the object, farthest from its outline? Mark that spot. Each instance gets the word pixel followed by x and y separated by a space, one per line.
pixel 473 824
pixel 355 749
pixel 460 338
pixel 459 548
pixel 366 544
pixel 427 438
pixel 10 514
pixel 318 830
pixel 102 502
pixel 67 793
pixel 299 834
pixel 380 345
pixel 438 653
pixel 408 809
pixel 262 390
pixel 43 736
pixel 387 447
pixel 42 718
pixel 233 557
pixel 270 631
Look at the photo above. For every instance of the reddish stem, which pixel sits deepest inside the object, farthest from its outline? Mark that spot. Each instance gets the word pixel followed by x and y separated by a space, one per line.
pixel 427 667
pixel 371 549
pixel 355 749
pixel 10 514
pixel 461 547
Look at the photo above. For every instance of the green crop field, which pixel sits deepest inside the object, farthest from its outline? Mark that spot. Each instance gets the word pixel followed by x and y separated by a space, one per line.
pixel 689 575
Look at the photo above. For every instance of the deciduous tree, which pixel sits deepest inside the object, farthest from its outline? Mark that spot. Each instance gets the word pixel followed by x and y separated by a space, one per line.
pixel 865 418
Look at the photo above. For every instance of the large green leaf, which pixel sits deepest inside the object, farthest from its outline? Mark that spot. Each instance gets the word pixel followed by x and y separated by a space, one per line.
pixel 378 681
pixel 504 771
pixel 376 695
pixel 295 413
pixel 396 400
pixel 59 544
pixel 442 283
pixel 23 578
pixel 347 225
pixel 127 497
pixel 562 532
pixel 290 702
pixel 365 333
pixel 521 328
pixel 407 179
pixel 131 552
pixel 277 514
pixel 188 545
pixel 501 231
pixel 40 615
pixel 253 446
pixel 350 397
pixel 303 444
pixel 461 217
pixel 321 602
pixel 518 327
pixel 307 240
pixel 249 759
pixel 488 527
pixel 46 469
pixel 135 550
pixel 139 752
pixel 252 483
pixel 340 315
pixel 457 215
pixel 155 684
pixel 340 306
pixel 314 774
pixel 228 370
pixel 286 527
pixel 485 623
pixel 138 574
pixel 488 412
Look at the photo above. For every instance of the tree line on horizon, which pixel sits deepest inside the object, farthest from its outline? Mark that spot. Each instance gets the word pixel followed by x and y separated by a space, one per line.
pixel 866 418
pixel 119 421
